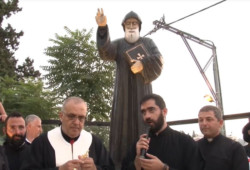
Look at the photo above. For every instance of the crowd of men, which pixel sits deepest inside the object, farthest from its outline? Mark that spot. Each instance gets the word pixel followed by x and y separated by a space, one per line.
pixel 70 147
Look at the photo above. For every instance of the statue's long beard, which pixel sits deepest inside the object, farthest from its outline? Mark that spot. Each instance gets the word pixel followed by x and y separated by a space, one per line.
pixel 132 37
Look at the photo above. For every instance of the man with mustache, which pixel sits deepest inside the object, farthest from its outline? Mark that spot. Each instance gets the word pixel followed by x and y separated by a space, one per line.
pixel 166 149
pixel 14 145
pixel 133 79
pixel 69 147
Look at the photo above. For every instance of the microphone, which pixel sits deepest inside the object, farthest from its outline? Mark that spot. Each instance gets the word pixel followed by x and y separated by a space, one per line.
pixel 143 151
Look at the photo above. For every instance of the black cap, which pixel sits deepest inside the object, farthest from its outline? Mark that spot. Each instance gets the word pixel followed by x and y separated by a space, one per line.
pixel 132 14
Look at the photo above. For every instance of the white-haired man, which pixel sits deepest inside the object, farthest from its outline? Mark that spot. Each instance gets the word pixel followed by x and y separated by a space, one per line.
pixel 33 127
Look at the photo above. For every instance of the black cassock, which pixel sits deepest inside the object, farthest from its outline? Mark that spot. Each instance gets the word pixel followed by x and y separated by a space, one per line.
pixel 126 119
pixel 41 155
pixel 14 155
pixel 223 154
pixel 177 150
pixel 3 160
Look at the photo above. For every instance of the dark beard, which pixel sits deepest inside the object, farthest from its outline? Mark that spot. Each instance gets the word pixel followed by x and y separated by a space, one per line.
pixel 158 124
pixel 15 143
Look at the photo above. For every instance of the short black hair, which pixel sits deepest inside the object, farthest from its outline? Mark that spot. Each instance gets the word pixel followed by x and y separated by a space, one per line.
pixel 11 115
pixel 216 110
pixel 157 98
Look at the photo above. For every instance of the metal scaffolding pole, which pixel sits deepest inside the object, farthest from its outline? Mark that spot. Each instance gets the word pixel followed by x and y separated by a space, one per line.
pixel 217 93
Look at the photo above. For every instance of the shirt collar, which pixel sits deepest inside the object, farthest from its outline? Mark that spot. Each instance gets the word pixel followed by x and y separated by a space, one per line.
pixel 67 138
pixel 210 140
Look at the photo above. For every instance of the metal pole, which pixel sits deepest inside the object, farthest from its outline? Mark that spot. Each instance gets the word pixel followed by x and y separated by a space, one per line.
pixel 217 93
pixel 219 102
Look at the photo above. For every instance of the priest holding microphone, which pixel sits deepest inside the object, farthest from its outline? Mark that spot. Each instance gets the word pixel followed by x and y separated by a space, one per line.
pixel 166 148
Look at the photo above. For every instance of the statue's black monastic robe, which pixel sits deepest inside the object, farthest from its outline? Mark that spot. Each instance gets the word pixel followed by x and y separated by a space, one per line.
pixel 129 88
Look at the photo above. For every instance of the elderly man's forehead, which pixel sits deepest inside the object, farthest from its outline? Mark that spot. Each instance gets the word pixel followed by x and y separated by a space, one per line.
pixel 72 105
pixel 76 102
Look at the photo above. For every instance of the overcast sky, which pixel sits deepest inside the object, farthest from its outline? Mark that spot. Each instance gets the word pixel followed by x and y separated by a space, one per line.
pixel 181 84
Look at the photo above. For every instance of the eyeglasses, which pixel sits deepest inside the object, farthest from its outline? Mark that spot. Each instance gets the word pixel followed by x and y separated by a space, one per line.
pixel 73 117
pixel 129 23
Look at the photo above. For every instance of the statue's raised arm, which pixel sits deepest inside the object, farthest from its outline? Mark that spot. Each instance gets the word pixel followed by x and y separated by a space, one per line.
pixel 100 18
pixel 138 63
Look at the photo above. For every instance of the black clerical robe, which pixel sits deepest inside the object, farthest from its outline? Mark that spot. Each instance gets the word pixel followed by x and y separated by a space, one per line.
pixel 3 160
pixel 50 150
pixel 126 119
pixel 223 153
pixel 178 150
pixel 15 155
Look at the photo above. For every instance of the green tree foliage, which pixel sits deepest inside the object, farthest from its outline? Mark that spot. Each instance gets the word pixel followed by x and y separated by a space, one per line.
pixel 20 87
pixel 76 70
pixel 27 70
pixel 8 38
pixel 27 97
pixel 9 44
pixel 101 131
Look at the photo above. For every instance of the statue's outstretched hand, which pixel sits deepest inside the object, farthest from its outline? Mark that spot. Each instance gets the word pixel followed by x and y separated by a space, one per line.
pixel 100 18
